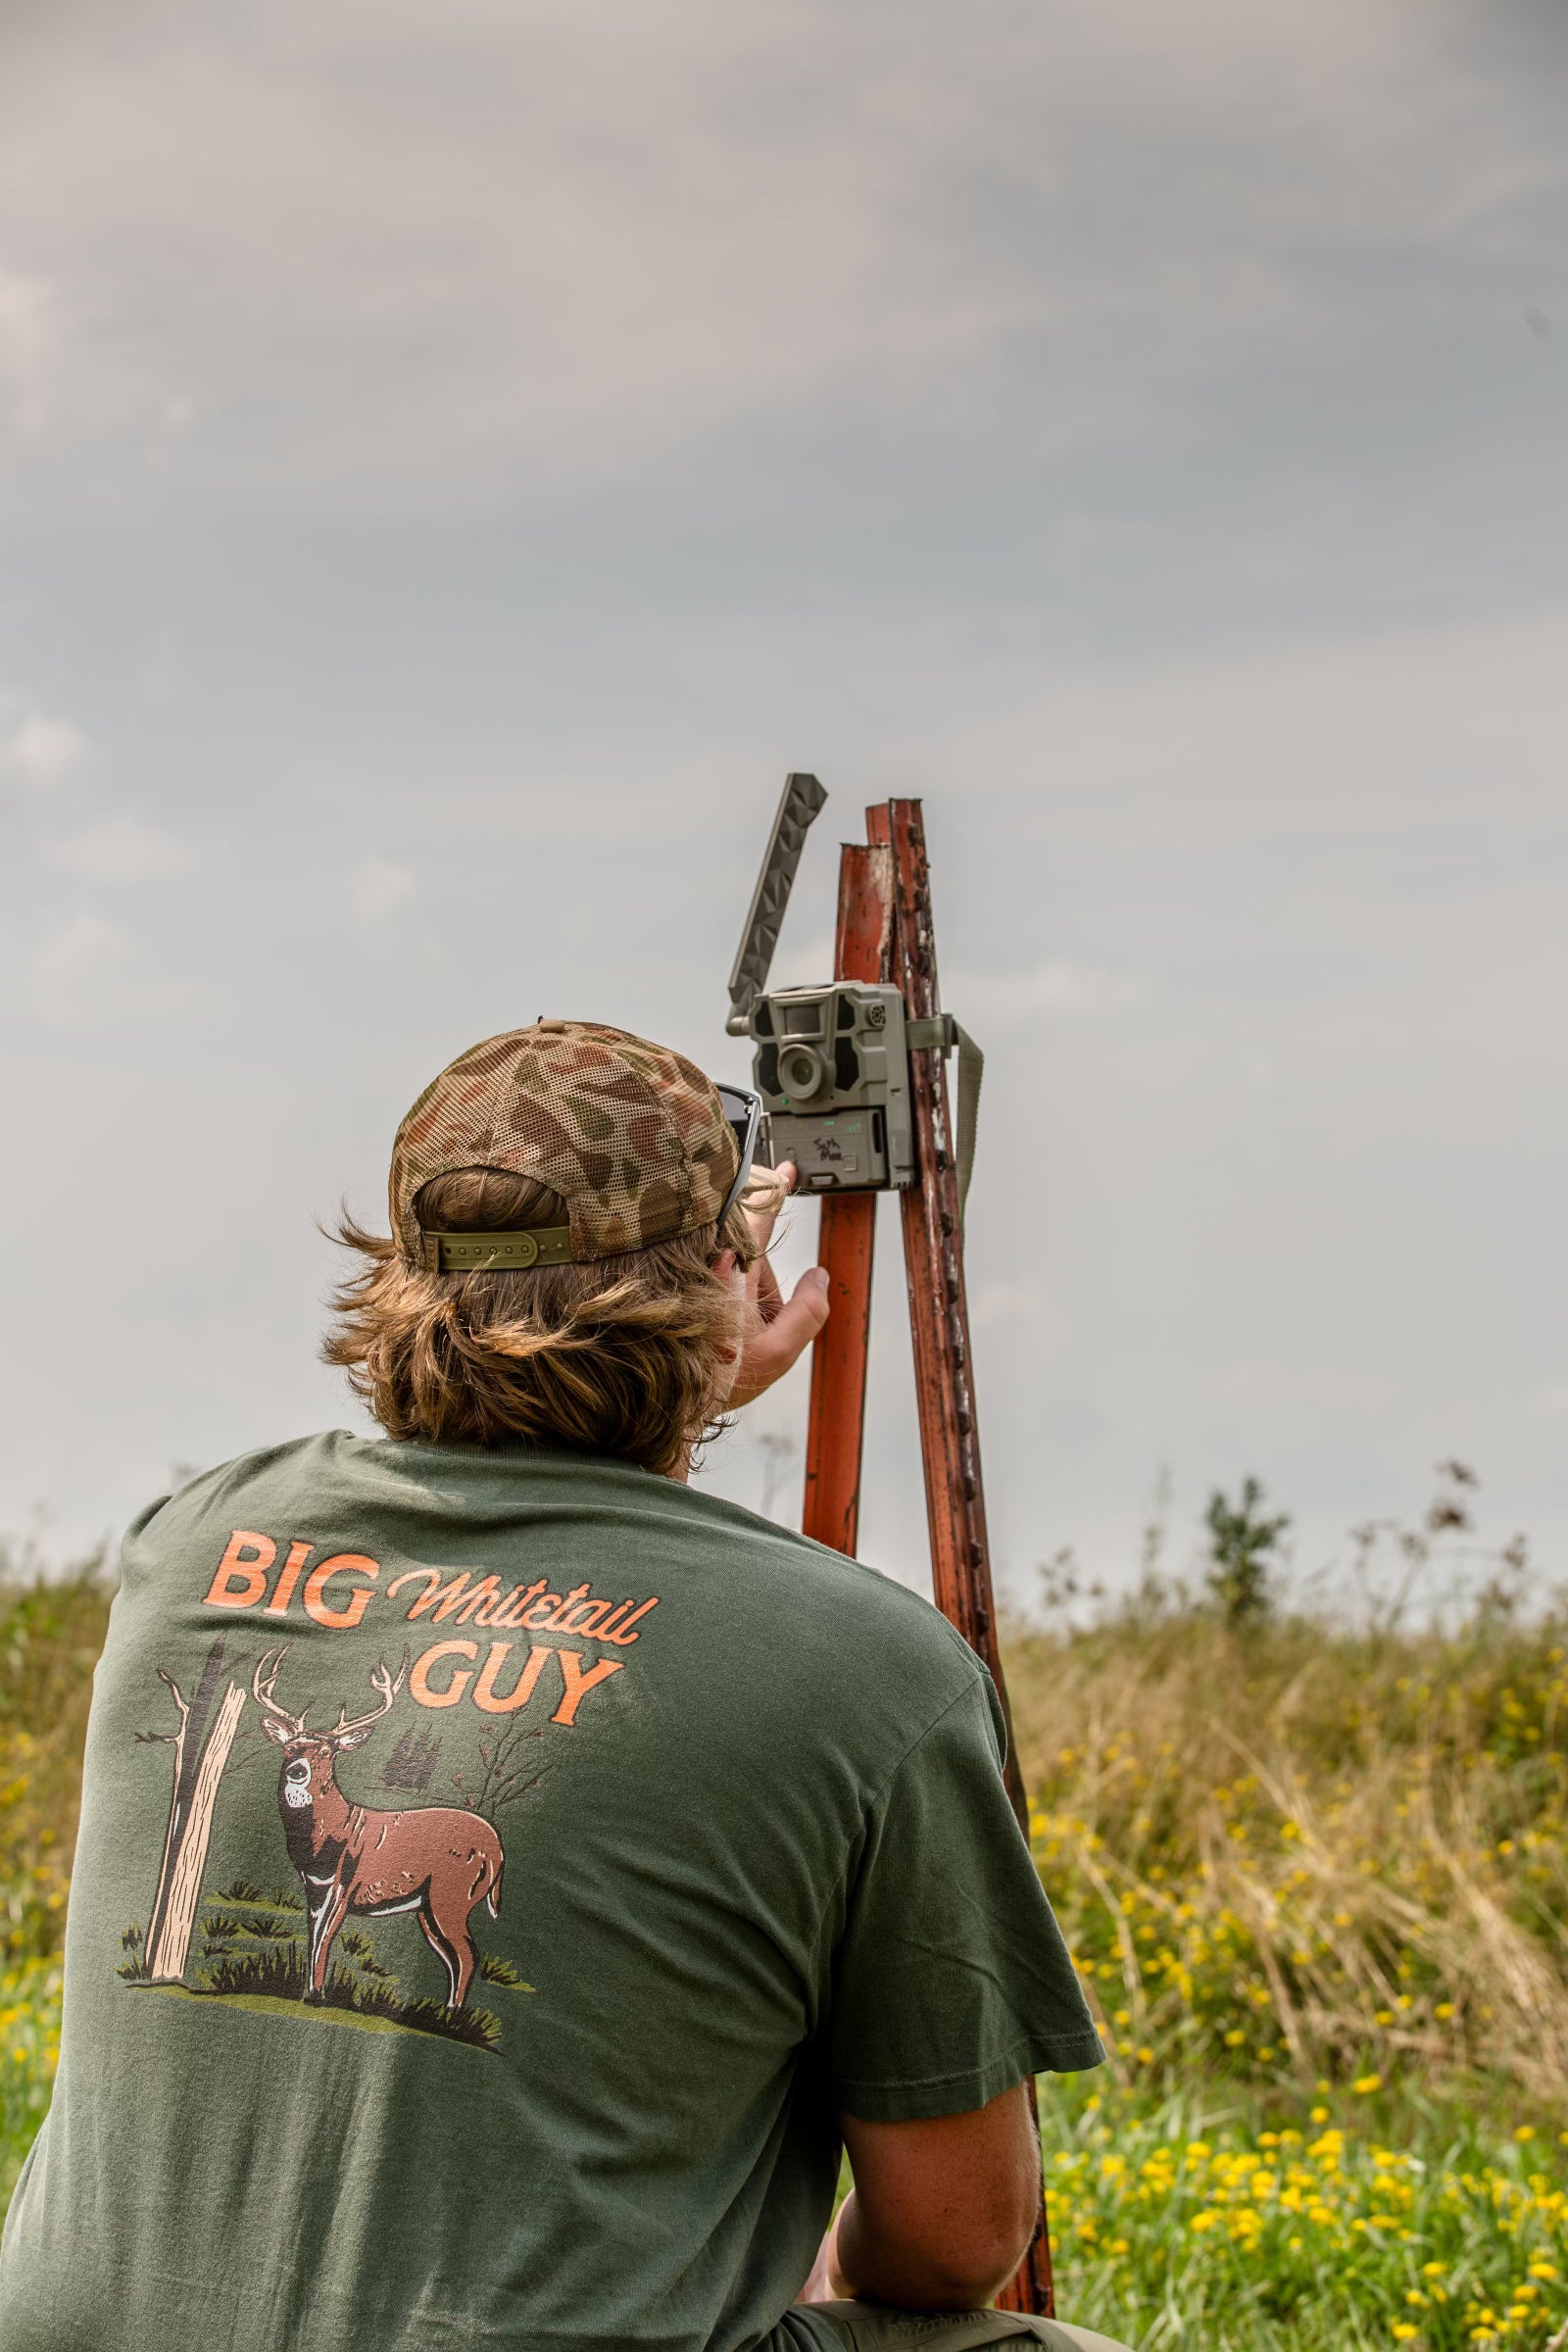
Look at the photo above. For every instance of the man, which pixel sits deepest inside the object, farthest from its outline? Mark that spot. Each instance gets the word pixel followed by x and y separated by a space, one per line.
pixel 507 1877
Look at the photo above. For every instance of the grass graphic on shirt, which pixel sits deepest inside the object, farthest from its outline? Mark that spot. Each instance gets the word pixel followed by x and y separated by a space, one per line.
pixel 302 1951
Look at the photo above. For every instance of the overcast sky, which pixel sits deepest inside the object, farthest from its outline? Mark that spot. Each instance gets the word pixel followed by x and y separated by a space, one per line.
pixel 453 460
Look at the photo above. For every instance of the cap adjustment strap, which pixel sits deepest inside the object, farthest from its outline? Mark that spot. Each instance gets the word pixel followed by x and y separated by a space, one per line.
pixel 496 1253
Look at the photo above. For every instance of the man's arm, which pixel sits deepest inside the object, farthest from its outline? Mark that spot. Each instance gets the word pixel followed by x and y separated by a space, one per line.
pixel 942 2211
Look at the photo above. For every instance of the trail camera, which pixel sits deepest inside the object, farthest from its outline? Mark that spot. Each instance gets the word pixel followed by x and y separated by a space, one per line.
pixel 831 1062
pixel 832 1067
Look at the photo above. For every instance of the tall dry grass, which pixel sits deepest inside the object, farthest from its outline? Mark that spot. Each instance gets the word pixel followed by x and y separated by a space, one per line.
pixel 1290 1852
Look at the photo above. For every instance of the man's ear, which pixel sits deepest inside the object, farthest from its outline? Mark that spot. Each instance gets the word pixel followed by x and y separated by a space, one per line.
pixel 277 1731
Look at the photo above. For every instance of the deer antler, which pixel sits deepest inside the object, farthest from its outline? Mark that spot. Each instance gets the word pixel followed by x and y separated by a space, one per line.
pixel 261 1683
pixel 383 1680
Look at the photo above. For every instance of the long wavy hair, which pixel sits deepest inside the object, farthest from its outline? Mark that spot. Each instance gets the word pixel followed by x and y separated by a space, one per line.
pixel 630 1355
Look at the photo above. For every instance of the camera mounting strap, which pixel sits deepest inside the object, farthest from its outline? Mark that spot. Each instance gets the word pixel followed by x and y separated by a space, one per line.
pixel 940 1035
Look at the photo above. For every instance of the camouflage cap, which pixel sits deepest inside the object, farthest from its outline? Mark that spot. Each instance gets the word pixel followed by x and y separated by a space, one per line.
pixel 632 1136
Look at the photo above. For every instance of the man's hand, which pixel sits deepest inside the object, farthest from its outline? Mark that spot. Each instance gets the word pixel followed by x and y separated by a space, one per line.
pixel 778 1329
pixel 942 2212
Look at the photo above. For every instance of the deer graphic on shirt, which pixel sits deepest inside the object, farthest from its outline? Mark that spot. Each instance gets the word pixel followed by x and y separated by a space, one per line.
pixel 438 1861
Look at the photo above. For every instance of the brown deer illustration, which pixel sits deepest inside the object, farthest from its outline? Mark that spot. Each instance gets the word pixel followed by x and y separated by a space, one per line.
pixel 437 1860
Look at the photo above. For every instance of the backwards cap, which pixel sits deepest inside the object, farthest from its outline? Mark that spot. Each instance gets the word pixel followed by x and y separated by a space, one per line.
pixel 630 1134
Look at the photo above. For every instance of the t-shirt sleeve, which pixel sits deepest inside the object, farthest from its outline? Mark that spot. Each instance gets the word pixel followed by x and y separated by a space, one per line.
pixel 951 1980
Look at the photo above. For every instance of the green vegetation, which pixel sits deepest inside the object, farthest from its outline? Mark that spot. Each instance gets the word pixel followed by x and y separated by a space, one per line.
pixel 1315 1877
pixel 50 1635
pixel 30 2045
pixel 1405 2222
pixel 51 1632
pixel 1295 1855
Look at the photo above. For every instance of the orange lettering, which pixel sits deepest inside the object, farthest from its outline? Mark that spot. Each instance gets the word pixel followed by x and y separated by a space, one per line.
pixel 484 1690
pixel 517 1603
pixel 432 1574
pixel 570 1602
pixel 283 1591
pixel 540 1613
pixel 586 1618
pixel 478 1604
pixel 419 1679
pixel 435 1592
pixel 341 1563
pixel 578 1684
pixel 609 1631
pixel 223 1592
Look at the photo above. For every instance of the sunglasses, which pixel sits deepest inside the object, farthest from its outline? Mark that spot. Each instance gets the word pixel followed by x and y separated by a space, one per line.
pixel 743 1113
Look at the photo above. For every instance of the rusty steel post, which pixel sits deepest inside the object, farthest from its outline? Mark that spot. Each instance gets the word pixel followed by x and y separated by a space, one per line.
pixel 939 1322
pixel 863 950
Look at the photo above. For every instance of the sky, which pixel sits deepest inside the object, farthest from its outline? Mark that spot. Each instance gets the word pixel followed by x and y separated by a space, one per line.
pixel 454 462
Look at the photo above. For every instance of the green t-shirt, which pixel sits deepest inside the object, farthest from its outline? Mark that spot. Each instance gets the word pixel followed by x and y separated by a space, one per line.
pixel 496 1872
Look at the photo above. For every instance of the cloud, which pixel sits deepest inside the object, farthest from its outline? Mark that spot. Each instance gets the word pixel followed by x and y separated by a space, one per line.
pixel 28 334
pixel 76 966
pixel 89 972
pixel 378 888
pixel 970 375
pixel 802 966
pixel 1278 1387
pixel 1060 990
pixel 996 1302
pixel 39 751
pixel 122 849
pixel 430 242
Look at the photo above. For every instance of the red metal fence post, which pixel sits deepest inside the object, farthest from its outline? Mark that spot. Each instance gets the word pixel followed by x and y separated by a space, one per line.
pixel 863 950
pixel 939 1322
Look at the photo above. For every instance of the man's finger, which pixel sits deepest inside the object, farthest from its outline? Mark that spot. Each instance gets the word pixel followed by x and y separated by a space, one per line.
pixel 766 1191
pixel 774 1348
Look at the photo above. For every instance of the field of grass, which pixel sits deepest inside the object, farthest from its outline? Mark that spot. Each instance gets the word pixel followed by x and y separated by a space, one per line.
pixel 1191 2223
pixel 1316 1883
pixel 50 1636
pixel 1315 1880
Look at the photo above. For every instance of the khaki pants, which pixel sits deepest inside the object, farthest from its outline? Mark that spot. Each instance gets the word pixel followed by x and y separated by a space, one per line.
pixel 875 2327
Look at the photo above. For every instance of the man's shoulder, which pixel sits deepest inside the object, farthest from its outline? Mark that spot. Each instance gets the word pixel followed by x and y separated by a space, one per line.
pixel 844 1619
pixel 854 1584
pixel 305 1459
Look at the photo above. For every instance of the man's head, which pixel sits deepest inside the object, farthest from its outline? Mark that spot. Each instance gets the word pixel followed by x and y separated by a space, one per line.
pixel 556 1197
pixel 631 1137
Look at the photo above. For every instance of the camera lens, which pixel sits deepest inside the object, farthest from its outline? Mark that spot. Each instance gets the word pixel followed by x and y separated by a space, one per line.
pixel 801 1074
